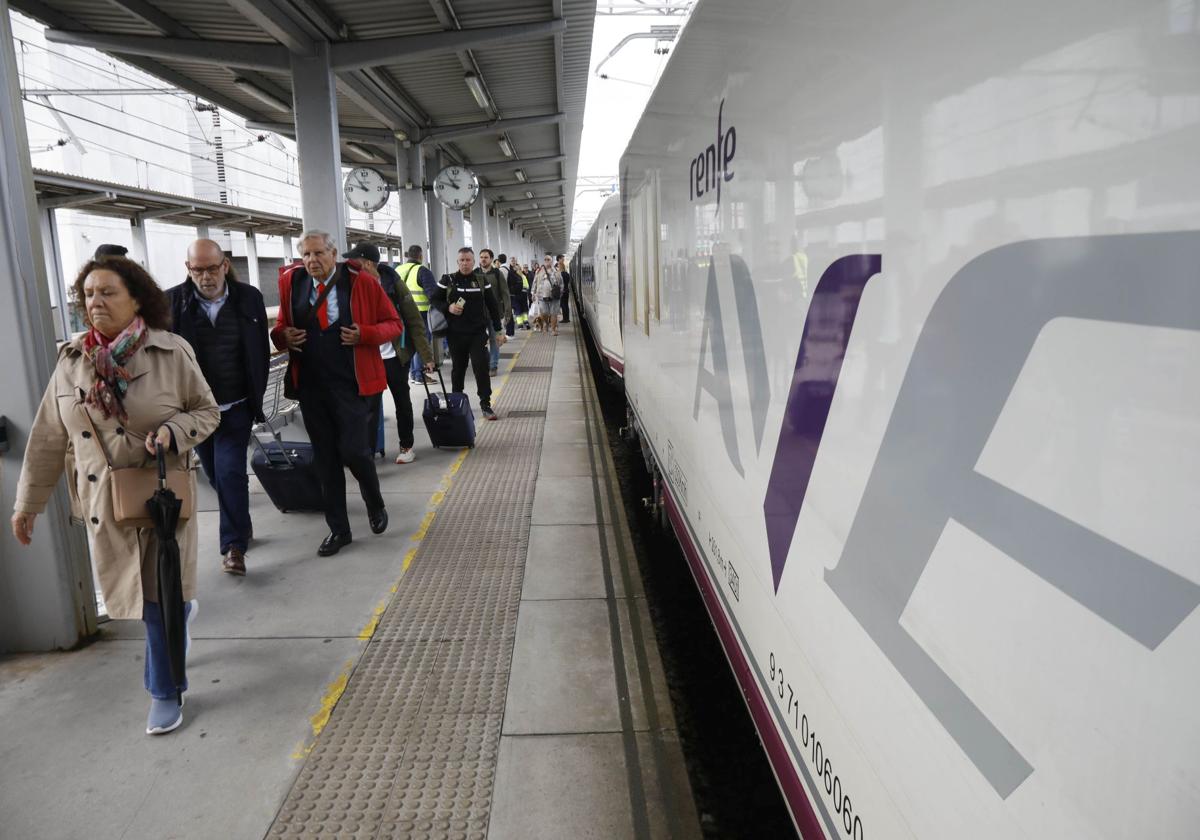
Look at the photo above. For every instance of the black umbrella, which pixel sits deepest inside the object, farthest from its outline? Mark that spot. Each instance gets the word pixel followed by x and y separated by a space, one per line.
pixel 164 510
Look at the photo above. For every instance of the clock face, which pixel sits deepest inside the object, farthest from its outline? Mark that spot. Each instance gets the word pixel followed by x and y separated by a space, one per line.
pixel 456 187
pixel 366 190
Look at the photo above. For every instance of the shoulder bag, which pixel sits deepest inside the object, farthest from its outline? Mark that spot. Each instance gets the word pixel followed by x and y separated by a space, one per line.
pixel 132 487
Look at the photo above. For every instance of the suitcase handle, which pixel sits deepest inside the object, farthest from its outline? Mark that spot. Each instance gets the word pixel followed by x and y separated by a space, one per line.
pixel 275 435
pixel 442 380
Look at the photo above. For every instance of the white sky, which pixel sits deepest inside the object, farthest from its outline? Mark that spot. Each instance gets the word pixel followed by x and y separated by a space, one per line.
pixel 614 105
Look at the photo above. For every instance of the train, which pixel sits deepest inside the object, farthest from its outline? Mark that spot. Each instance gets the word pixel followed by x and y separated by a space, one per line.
pixel 906 302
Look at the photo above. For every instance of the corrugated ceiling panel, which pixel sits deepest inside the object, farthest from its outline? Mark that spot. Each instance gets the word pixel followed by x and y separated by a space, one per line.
pixel 88 14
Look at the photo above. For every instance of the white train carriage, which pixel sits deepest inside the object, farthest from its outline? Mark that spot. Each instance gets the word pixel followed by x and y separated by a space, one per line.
pixel 596 267
pixel 910 322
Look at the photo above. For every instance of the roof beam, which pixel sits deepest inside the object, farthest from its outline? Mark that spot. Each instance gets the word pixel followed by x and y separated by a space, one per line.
pixel 550 202
pixel 165 212
pixel 545 182
pixel 375 101
pixel 278 24
pixel 61 202
pixel 362 135
pixel 437 135
pixel 375 52
pixel 515 163
pixel 153 16
pixel 224 53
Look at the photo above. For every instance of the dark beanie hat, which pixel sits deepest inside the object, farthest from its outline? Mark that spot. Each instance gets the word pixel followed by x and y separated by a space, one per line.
pixel 108 250
pixel 364 251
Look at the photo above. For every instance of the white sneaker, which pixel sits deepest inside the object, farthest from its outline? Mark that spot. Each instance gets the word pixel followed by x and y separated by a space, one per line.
pixel 406 456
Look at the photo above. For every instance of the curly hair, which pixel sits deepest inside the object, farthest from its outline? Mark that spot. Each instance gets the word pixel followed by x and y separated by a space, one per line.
pixel 153 305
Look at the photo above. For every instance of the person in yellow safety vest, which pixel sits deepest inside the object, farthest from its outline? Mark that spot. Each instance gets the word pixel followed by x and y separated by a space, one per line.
pixel 419 280
pixel 523 318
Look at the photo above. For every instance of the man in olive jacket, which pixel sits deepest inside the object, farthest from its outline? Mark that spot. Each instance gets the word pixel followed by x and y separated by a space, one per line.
pixel 397 355
pixel 500 286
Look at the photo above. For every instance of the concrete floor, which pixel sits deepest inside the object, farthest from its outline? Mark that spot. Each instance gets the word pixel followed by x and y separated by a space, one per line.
pixel 268 648
pixel 587 745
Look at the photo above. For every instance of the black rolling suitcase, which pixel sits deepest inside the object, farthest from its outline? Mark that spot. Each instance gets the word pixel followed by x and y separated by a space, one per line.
pixel 286 471
pixel 448 418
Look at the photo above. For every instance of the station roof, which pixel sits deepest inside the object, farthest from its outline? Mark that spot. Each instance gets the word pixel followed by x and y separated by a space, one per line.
pixel 403 72
pixel 103 198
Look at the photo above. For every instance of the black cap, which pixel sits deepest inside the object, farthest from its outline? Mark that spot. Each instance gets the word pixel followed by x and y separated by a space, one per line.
pixel 108 250
pixel 364 251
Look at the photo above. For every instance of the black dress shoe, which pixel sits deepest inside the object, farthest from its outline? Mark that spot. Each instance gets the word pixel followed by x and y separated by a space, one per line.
pixel 378 521
pixel 333 544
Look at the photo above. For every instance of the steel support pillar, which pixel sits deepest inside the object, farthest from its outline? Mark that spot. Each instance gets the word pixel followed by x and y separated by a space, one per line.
pixel 140 251
pixel 479 223
pixel 456 234
pixel 60 297
pixel 46 596
pixel 202 232
pixel 289 248
pixel 436 254
pixel 318 146
pixel 252 259
pixel 410 177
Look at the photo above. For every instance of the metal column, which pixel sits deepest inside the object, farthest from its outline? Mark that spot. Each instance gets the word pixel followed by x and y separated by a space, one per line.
pixel 493 229
pixel 410 179
pixel 202 232
pixel 289 249
pixel 436 213
pixel 60 297
pixel 480 231
pixel 252 259
pixel 46 597
pixel 318 145
pixel 141 249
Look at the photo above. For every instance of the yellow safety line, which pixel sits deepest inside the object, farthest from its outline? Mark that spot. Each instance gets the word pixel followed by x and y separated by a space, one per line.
pixel 335 690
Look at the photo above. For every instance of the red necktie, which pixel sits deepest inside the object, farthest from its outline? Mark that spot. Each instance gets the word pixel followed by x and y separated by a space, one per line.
pixel 322 311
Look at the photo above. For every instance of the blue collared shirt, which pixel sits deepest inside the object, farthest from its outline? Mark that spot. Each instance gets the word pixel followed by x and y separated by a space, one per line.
pixel 212 308
pixel 331 301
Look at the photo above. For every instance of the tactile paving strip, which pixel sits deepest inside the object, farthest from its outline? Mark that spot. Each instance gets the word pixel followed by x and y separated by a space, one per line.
pixel 410 749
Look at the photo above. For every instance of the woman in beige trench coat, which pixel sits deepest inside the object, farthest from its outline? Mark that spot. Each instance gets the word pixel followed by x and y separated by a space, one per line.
pixel 139 385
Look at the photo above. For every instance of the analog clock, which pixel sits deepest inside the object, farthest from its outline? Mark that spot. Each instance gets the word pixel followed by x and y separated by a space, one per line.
pixel 456 187
pixel 366 190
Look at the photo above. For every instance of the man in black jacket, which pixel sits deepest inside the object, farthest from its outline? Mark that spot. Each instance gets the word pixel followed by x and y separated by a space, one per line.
pixel 225 321
pixel 470 306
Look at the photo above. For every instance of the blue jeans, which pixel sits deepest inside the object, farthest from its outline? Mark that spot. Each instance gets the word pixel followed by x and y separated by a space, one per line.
pixel 157 678
pixel 223 457
pixel 495 349
pixel 415 367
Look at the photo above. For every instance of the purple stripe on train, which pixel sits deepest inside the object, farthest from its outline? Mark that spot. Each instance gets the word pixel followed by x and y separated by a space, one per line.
pixel 818 366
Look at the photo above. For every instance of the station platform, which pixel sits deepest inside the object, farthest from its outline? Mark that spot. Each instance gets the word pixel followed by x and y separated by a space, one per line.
pixel 485 669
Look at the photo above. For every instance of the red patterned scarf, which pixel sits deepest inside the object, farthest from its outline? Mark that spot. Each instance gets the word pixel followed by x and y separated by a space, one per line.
pixel 109 359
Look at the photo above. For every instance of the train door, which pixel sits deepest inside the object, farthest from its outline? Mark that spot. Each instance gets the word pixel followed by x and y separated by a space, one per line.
pixel 644 260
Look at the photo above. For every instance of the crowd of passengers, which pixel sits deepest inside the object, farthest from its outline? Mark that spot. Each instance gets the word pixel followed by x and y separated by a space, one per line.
pixel 186 370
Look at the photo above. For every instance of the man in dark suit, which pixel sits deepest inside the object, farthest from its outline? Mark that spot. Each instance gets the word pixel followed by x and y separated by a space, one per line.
pixel 225 321
pixel 332 318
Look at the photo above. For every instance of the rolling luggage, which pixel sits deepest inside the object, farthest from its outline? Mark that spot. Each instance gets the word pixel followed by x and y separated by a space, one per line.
pixel 287 473
pixel 448 418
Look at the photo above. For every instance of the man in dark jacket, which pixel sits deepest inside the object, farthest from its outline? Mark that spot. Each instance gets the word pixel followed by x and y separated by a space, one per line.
pixel 225 321
pixel 499 284
pixel 470 307
pixel 566 289
pixel 397 354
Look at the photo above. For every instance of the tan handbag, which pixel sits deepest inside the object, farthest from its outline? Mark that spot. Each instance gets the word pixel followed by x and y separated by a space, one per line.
pixel 132 487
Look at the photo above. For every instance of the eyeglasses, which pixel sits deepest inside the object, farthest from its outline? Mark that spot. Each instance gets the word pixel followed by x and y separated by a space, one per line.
pixel 206 269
